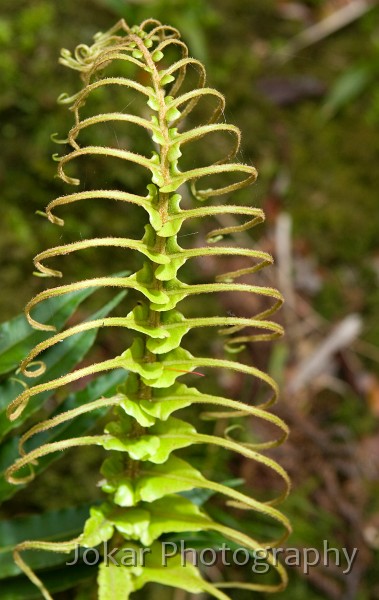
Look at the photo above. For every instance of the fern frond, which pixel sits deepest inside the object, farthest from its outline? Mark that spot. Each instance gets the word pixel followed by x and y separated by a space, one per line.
pixel 144 500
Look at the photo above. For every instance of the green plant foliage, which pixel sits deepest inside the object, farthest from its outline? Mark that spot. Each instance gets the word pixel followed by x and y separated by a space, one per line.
pixel 347 88
pixel 16 337
pixel 54 524
pixel 144 481
pixel 57 579
pixel 9 449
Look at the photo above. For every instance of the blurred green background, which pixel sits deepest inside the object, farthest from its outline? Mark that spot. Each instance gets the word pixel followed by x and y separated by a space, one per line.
pixel 309 115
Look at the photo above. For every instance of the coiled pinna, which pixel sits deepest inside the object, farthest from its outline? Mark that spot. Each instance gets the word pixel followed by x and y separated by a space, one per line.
pixel 145 492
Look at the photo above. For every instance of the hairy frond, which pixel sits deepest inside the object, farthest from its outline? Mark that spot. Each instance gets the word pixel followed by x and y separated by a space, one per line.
pixel 142 476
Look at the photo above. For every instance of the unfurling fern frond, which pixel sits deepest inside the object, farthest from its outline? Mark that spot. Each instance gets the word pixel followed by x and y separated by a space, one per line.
pixel 143 476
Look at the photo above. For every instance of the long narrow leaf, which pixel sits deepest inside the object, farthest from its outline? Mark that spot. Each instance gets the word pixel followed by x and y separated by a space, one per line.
pixel 51 525
pixel 103 386
pixel 58 359
pixel 57 580
pixel 17 337
pixel 61 358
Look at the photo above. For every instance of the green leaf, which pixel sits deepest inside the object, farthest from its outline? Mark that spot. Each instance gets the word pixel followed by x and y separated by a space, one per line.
pixel 347 88
pixel 164 437
pixel 169 514
pixel 68 352
pixel 174 514
pixel 175 475
pixel 51 526
pixel 8 455
pixel 56 580
pixel 174 335
pixel 114 582
pixel 118 581
pixel 146 412
pixel 173 574
pixel 133 523
pixel 163 409
pixel 136 410
pixel 97 528
pixel 152 482
pixel 59 359
pixel 102 386
pixel 17 337
pixel 105 385
pixel 142 448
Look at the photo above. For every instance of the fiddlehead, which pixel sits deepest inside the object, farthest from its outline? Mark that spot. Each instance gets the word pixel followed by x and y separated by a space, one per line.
pixel 144 491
